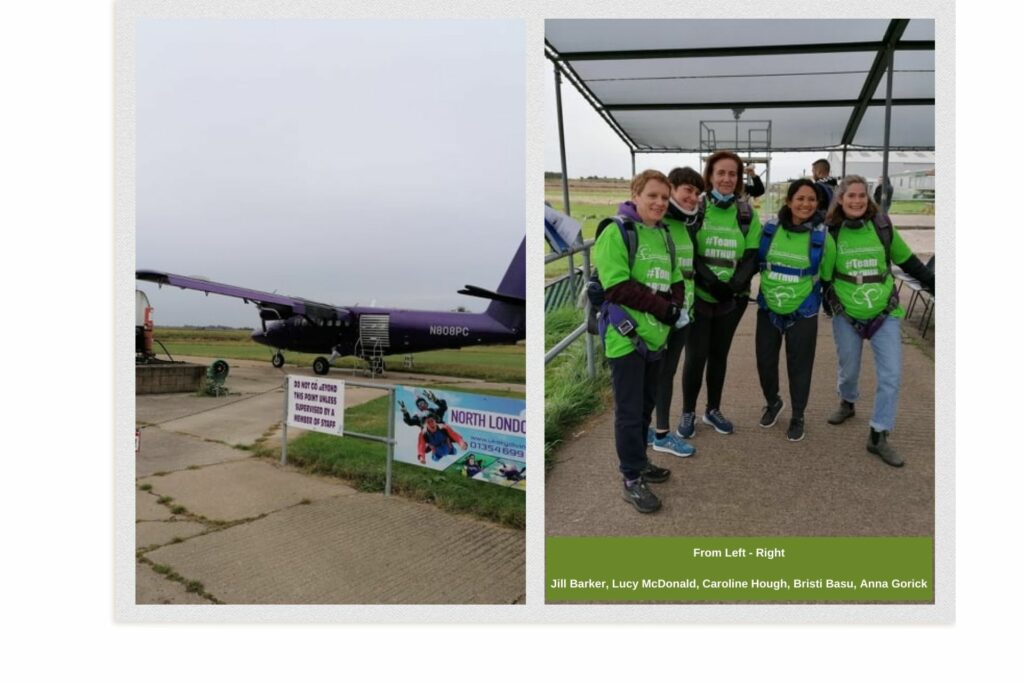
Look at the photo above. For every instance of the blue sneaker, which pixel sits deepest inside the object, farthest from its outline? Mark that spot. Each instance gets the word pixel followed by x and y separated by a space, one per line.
pixel 670 443
pixel 715 418
pixel 650 436
pixel 687 426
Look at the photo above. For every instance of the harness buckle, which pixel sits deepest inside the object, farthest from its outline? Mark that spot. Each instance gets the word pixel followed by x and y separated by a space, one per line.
pixel 625 327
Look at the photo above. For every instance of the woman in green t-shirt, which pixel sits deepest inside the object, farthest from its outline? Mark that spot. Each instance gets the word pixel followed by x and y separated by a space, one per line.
pixel 860 295
pixel 644 298
pixel 791 254
pixel 724 261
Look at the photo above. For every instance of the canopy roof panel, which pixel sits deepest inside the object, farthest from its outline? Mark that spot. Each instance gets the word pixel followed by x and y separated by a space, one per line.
pixel 819 82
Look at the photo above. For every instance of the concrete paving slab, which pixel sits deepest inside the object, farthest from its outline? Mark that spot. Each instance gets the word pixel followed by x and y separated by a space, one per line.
pixel 152 588
pixel 161 533
pixel 147 509
pixel 756 482
pixel 241 490
pixel 357 549
pixel 236 423
pixel 165 451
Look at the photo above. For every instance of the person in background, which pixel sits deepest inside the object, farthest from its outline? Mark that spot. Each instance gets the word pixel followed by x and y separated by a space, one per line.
pixel 791 254
pixel 824 185
pixel 725 259
pixel 883 190
pixel 644 298
pixel 861 298
pixel 752 184
pixel 682 218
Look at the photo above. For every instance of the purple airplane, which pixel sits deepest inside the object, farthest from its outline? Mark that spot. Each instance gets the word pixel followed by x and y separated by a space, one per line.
pixel 293 324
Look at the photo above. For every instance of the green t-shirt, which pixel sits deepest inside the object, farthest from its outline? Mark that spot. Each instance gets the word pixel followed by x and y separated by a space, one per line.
pixel 684 257
pixel 860 252
pixel 783 292
pixel 720 237
pixel 651 268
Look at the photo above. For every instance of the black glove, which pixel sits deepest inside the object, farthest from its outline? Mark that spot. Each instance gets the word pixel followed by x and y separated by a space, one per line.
pixel 672 316
pixel 720 290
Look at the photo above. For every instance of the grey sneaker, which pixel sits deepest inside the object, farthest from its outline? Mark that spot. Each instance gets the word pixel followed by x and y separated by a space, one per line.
pixel 639 496
pixel 844 412
pixel 878 444
pixel 771 413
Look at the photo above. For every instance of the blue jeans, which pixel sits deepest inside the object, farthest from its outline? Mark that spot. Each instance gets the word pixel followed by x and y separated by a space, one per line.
pixel 887 347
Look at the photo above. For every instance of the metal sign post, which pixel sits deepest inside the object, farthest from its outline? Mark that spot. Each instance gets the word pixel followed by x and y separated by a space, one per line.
pixel 389 440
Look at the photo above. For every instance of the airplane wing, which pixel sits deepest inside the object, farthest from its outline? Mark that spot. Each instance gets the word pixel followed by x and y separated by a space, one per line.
pixel 284 306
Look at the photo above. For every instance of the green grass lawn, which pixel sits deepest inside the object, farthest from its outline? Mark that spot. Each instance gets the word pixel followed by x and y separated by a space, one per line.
pixel 505 363
pixel 363 463
pixel 570 396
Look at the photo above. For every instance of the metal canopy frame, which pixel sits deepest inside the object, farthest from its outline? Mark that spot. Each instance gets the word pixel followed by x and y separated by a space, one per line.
pixel 884 50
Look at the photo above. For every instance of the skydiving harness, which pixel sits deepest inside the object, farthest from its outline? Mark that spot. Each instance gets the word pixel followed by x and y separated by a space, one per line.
pixel 865 328
pixel 809 306
pixel 744 216
pixel 605 314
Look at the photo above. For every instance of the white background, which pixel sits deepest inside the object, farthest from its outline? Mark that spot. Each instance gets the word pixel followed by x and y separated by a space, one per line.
pixel 56 177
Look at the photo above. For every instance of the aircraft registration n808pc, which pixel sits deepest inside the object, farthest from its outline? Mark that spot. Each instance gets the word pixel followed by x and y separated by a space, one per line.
pixel 294 324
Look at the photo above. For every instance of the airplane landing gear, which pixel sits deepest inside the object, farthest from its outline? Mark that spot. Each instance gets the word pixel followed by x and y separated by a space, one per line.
pixel 277 360
pixel 321 366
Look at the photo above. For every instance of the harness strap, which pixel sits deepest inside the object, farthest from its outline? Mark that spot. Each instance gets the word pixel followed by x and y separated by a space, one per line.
pixel 877 278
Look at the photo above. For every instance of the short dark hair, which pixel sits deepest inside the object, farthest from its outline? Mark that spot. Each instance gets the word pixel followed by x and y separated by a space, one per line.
pixel 714 159
pixel 824 162
pixel 685 176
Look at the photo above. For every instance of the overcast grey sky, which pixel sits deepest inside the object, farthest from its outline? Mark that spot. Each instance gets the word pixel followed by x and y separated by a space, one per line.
pixel 340 161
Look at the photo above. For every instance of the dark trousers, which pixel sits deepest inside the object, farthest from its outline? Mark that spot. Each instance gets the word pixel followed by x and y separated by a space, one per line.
pixel 634 385
pixel 708 345
pixel 667 376
pixel 801 339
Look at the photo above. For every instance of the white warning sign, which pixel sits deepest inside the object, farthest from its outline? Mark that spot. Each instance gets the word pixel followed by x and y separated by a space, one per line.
pixel 316 404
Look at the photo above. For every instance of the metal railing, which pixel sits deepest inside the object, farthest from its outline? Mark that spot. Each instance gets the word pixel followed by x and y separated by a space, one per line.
pixel 583 275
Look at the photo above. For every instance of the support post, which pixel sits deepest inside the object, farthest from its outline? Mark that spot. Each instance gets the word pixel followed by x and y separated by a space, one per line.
pixel 391 441
pixel 886 192
pixel 284 428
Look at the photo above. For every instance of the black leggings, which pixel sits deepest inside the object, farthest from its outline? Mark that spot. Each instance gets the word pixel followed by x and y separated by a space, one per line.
pixel 709 343
pixel 801 339
pixel 667 376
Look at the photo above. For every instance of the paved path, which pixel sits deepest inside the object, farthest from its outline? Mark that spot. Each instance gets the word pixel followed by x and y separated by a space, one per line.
pixel 227 527
pixel 756 482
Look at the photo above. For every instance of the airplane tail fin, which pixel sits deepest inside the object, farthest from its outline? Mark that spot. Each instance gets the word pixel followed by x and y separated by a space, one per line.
pixel 508 303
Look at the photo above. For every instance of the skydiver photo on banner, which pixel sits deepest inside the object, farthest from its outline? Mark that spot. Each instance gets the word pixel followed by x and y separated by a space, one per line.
pixel 480 437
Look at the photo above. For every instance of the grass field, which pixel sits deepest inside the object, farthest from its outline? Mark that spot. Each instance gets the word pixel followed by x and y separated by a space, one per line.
pixel 363 462
pixel 593 200
pixel 570 396
pixel 492 363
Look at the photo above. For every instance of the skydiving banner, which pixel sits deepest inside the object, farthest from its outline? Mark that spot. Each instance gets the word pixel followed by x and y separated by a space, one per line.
pixel 480 437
